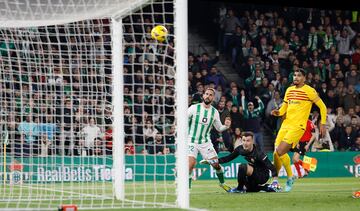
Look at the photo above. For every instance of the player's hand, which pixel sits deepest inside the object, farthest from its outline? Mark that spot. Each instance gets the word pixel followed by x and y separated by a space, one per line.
pixel 322 130
pixel 306 148
pixel 275 112
pixel 227 122
pixel 205 162
pixel 257 98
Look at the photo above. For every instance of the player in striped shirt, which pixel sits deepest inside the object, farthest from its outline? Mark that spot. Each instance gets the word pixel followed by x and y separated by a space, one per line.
pixel 202 117
pixel 297 104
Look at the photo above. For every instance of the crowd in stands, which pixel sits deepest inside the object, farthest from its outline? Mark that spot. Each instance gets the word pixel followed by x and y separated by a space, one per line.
pixel 56 100
pixel 56 89
pixel 265 47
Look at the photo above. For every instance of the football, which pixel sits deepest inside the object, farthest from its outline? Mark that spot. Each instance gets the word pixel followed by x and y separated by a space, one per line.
pixel 159 33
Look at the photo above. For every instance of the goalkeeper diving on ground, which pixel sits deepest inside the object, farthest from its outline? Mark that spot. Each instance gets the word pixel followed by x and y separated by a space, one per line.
pixel 252 177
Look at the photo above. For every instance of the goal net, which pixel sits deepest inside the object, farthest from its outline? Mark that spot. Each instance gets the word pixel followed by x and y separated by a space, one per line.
pixel 90 105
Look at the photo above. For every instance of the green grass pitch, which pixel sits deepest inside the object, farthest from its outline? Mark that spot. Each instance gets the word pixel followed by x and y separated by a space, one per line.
pixel 307 194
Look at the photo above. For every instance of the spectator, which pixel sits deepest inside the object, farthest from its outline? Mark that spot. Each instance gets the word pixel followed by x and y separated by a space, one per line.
pixel 205 63
pixel 234 96
pixel 129 146
pixel 90 133
pixel 274 103
pixel 347 139
pixel 352 77
pixel 350 99
pixel 356 146
pixel 326 141
pixel 224 113
pixel 29 136
pixel 109 140
pixel 149 132
pixel 229 25
pixel 236 117
pixel 216 77
pixel 344 39
pixel 252 118
pixel 237 138
pixel 314 39
pixel 170 139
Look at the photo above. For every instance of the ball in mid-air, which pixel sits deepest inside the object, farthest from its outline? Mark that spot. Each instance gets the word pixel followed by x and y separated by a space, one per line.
pixel 159 33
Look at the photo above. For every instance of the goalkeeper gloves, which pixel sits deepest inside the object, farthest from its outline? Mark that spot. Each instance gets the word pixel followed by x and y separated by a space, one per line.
pixel 209 162
pixel 206 162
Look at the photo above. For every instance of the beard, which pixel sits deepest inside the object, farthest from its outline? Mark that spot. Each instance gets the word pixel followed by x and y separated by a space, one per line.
pixel 207 101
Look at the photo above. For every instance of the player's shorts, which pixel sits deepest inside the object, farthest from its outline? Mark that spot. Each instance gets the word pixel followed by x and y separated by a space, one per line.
pixel 301 149
pixel 259 177
pixel 206 150
pixel 289 135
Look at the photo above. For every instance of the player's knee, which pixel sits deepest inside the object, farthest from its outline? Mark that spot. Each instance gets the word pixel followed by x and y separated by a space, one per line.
pixel 279 152
pixel 216 165
pixel 192 162
pixel 242 170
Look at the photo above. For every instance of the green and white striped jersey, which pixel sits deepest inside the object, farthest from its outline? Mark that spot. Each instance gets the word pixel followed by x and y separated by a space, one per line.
pixel 201 120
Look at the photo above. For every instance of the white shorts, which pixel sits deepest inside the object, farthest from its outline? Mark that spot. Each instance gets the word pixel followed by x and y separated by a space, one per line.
pixel 206 150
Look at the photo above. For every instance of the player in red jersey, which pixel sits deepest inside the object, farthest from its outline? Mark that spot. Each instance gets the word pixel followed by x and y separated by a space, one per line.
pixel 303 146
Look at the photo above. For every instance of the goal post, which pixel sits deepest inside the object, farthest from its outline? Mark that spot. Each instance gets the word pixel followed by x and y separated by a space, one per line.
pixel 93 107
pixel 181 43
pixel 118 102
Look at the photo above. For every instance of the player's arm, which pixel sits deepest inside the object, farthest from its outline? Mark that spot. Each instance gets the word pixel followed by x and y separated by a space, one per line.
pixel 312 139
pixel 231 156
pixel 264 159
pixel 314 97
pixel 218 125
pixel 190 111
pixel 322 108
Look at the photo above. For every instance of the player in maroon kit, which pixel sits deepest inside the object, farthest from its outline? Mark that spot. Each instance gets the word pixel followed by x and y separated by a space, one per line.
pixel 303 146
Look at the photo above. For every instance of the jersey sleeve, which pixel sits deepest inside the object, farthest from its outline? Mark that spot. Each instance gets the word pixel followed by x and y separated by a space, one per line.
pixel 312 95
pixel 264 159
pixel 286 96
pixel 284 105
pixel 217 122
pixel 191 111
pixel 231 156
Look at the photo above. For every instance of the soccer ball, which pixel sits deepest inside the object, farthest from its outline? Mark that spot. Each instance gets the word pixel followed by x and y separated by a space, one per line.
pixel 159 33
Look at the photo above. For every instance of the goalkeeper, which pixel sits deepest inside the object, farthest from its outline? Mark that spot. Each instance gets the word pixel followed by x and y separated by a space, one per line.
pixel 253 175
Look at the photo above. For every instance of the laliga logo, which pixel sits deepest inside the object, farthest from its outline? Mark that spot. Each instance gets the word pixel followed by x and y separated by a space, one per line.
pixel 354 169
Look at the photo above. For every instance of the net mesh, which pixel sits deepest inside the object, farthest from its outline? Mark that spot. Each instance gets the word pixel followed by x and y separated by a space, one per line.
pixel 56 106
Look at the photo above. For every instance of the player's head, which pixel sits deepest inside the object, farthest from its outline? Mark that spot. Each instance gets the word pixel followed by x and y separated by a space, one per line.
pixel 209 95
pixel 248 140
pixel 299 76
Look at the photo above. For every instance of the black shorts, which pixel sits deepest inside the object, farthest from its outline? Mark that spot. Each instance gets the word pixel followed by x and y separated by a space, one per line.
pixel 301 150
pixel 260 176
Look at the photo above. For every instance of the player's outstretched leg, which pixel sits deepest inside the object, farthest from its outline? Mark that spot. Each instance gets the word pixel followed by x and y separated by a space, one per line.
pixel 220 174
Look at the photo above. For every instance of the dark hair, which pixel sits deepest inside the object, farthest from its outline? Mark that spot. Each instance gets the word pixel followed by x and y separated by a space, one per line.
pixel 300 70
pixel 247 133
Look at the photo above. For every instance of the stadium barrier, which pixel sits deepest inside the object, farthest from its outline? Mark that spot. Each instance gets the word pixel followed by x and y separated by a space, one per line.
pixel 86 169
